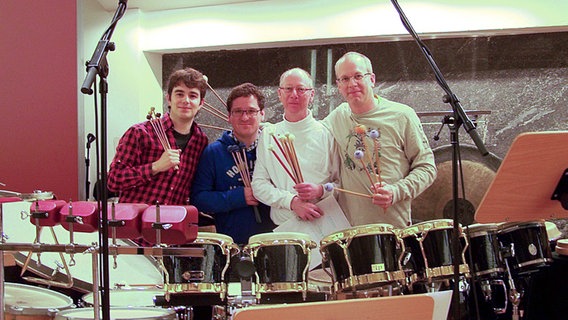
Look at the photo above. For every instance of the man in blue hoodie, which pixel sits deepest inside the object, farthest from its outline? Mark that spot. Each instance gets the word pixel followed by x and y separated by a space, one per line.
pixel 218 187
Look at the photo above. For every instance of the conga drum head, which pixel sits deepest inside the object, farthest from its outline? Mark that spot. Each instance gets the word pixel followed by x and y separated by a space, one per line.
pixel 28 300
pixel 369 229
pixel 270 237
pixel 479 229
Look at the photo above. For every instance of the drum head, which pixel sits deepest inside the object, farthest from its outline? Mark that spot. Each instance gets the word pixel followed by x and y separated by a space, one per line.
pixel 118 314
pixel 272 236
pixel 31 300
pixel 426 226
pixel 217 237
pixel 479 229
pixel 139 297
pixel 369 229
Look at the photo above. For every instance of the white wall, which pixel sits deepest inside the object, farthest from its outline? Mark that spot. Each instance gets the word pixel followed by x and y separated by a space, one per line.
pixel 142 37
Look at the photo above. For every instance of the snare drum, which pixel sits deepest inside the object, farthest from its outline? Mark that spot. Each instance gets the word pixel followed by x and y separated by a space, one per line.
pixel 483 253
pixel 281 260
pixel 24 302
pixel 528 244
pixel 429 254
pixel 131 297
pixel 363 257
pixel 207 274
pixel 119 314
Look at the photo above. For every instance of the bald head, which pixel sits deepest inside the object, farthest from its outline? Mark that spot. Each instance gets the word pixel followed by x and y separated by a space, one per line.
pixel 357 58
pixel 303 74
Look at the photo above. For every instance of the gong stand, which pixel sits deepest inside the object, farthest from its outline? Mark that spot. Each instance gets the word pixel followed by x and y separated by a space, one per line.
pixel 460 118
pixel 98 65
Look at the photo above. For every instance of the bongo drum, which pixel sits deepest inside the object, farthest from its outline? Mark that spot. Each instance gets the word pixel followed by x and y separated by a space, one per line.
pixel 429 254
pixel 207 274
pixel 119 314
pixel 25 302
pixel 363 257
pixel 528 245
pixel 281 260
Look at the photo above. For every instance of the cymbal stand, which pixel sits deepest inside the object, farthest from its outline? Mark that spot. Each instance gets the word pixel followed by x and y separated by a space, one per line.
pixel 514 294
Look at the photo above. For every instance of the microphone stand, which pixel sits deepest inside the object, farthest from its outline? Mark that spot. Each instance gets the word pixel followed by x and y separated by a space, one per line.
pixel 87 164
pixel 460 118
pixel 98 65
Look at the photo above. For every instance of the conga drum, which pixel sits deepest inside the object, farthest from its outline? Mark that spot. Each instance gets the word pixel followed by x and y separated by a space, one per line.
pixel 207 274
pixel 483 253
pixel 281 260
pixel 428 251
pixel 363 257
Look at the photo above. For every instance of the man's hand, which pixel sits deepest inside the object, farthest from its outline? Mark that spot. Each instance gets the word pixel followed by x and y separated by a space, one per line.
pixel 308 191
pixel 249 197
pixel 305 210
pixel 382 195
pixel 168 160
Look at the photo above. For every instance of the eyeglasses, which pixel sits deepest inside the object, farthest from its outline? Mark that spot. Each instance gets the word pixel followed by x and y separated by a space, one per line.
pixel 299 91
pixel 240 113
pixel 358 77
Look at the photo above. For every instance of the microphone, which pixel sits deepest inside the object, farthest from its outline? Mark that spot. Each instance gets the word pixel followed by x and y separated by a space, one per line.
pixel 90 138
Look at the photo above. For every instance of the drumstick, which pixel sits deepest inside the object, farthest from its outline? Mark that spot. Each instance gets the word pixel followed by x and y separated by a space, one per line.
pixel 329 186
pixel 214 111
pixel 242 165
pixel 213 90
pixel 213 127
pixel 359 154
pixel 375 134
pixel 291 139
pixel 361 130
pixel 271 149
pixel 154 118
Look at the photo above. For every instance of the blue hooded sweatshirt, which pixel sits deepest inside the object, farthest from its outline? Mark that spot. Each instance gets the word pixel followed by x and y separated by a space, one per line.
pixel 218 190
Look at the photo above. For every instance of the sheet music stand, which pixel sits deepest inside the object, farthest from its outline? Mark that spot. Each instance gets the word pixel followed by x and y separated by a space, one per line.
pixel 418 306
pixel 526 180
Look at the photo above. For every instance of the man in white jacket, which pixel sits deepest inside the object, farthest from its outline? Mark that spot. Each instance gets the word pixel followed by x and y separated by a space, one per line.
pixel 314 147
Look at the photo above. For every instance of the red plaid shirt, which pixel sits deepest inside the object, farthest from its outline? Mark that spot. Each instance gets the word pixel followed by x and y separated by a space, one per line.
pixel 131 169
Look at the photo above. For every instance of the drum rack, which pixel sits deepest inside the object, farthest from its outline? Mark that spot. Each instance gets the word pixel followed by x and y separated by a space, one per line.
pixel 72 248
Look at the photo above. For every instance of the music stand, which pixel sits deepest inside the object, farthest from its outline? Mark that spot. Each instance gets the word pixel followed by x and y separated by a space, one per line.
pixel 418 306
pixel 524 185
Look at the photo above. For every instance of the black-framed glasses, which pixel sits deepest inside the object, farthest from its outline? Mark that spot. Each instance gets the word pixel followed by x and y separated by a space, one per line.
pixel 240 113
pixel 299 91
pixel 358 77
